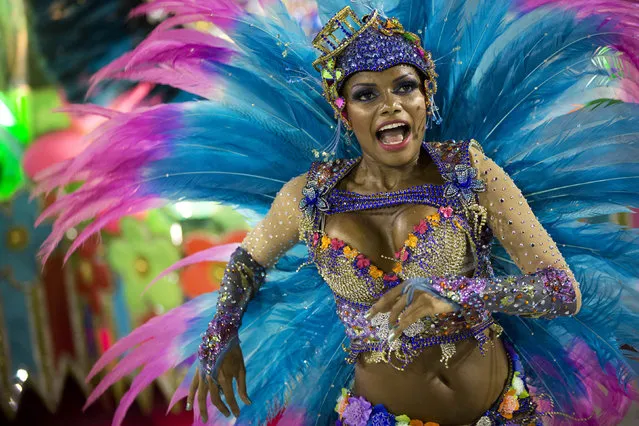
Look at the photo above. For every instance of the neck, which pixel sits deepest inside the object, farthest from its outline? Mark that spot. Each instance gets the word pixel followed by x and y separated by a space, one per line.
pixel 378 177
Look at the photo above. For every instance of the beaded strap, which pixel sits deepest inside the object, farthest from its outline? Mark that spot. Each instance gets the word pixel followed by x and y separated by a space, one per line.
pixel 345 201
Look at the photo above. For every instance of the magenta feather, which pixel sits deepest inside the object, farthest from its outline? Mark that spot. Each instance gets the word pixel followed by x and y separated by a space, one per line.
pixel 182 54
pixel 166 328
pixel 113 175
pixel 156 347
pixel 217 12
pixel 144 378
pixel 214 254
pixel 89 109
pixel 164 60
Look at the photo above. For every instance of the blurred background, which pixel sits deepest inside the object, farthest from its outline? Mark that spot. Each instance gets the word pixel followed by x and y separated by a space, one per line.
pixel 57 319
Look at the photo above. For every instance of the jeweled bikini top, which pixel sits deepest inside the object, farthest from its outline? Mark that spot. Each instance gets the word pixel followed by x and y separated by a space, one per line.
pixel 448 242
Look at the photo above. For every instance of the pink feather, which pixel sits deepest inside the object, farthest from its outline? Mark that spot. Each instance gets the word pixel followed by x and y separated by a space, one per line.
pixel 219 253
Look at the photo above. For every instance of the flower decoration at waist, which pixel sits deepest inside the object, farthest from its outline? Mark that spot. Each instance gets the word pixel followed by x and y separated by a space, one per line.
pixel 462 181
pixel 314 200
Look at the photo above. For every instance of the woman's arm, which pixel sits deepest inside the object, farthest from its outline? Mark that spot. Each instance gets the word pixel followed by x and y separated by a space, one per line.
pixel 279 230
pixel 515 226
pixel 244 275
pixel 546 288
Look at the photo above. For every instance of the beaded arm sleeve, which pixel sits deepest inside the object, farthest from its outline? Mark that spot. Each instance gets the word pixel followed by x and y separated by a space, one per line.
pixel 547 287
pixel 246 272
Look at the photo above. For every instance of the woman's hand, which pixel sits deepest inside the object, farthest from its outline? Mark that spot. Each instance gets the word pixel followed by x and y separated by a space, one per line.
pixel 401 316
pixel 231 367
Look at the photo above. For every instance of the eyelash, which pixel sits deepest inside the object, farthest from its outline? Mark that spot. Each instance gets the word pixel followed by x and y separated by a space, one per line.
pixel 368 95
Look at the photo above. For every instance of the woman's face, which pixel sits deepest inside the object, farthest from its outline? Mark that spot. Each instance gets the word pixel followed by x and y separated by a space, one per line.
pixel 388 113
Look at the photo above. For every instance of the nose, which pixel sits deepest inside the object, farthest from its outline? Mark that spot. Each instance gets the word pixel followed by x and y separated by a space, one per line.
pixel 391 105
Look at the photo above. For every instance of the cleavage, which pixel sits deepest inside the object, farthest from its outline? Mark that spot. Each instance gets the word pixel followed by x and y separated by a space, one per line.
pixel 378 234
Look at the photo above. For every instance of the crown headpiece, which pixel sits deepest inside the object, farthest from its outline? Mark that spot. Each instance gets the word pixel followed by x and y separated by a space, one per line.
pixel 350 45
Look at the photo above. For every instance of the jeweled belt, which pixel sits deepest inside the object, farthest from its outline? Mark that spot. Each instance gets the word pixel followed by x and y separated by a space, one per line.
pixel 405 348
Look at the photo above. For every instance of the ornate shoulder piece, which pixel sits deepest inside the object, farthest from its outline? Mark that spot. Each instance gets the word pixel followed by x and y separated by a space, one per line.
pixel 461 178
pixel 322 177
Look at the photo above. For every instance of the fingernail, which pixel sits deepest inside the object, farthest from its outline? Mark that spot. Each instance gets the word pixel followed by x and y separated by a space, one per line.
pixel 249 400
pixel 189 406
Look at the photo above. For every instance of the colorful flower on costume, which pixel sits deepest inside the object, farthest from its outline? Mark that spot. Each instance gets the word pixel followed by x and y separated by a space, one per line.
pixel 411 241
pixel 422 227
pixel 380 417
pixel 325 242
pixel 375 272
pixel 357 412
pixel 402 420
pixel 462 181
pixel 350 253
pixel 313 200
pixel 362 261
pixel 446 211
pixel 509 404
pixel 342 403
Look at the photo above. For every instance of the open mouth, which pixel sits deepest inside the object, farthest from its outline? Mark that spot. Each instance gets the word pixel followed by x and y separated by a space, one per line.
pixel 393 135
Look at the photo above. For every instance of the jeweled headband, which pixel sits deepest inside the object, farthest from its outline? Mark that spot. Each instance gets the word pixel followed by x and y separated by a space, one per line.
pixel 349 45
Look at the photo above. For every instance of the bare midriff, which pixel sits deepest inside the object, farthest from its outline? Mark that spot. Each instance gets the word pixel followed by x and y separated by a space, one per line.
pixel 426 390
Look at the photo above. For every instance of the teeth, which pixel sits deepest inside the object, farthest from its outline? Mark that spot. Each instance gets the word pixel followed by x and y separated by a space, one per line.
pixel 392 143
pixel 391 126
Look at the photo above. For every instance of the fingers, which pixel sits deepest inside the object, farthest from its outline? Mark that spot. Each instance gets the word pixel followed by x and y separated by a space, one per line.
pixel 241 385
pixel 201 399
pixel 226 384
pixel 229 394
pixel 413 313
pixel 424 305
pixel 386 302
pixel 214 391
pixel 396 310
pixel 192 389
